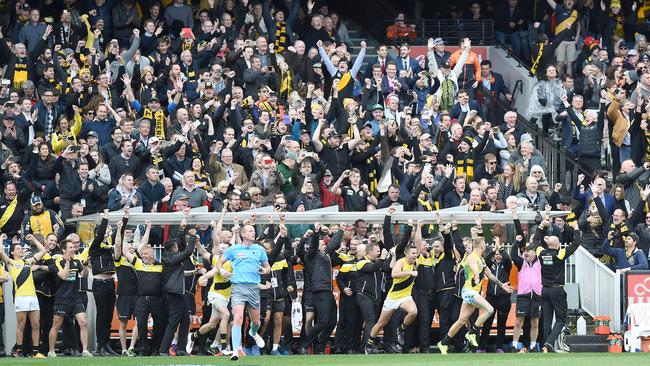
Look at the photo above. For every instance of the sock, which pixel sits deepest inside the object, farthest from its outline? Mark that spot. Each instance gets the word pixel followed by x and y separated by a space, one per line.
pixel 236 337
pixel 223 341
pixel 447 340
pixel 254 329
pixel 473 329
pixel 515 345
pixel 196 335
pixel 402 327
pixel 372 341
pixel 275 347
pixel 174 342
pixel 532 345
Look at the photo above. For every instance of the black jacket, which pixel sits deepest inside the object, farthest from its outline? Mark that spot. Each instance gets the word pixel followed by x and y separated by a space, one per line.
pixel 101 255
pixel 321 263
pixel 173 273
pixel 369 278
pixel 500 270
pixel 444 270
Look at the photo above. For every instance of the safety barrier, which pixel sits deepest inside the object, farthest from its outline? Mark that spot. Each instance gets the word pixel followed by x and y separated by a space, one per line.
pixel 481 32
pixel 600 288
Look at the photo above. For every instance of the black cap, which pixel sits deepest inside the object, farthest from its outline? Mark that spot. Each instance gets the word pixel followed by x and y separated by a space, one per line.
pixel 245 196
pixel 446 64
pixel 36 200
pixel 9 115
pixel 634 236
pixel 304 130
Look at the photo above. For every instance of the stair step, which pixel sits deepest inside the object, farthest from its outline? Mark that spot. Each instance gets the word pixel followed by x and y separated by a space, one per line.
pixel 584 347
pixel 586 339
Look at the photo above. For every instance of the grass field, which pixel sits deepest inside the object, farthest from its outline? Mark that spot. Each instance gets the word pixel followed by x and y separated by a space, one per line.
pixel 570 359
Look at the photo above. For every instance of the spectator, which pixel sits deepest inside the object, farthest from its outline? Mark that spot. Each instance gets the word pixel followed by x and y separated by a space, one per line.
pixel 400 31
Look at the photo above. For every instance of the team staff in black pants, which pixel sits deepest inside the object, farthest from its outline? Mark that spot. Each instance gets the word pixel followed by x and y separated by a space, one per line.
pixel 444 272
pixel 347 339
pixel 103 266
pixel 45 283
pixel 552 258
pixel 149 300
pixel 500 264
pixel 174 290
pixel 322 257
pixel 368 286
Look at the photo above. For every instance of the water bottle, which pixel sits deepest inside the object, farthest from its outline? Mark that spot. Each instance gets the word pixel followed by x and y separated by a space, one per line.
pixel 581 326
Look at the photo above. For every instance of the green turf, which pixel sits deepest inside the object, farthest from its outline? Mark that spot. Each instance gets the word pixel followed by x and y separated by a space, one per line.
pixel 570 359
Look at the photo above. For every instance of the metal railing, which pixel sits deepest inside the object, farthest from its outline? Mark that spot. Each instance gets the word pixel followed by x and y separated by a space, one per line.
pixel 481 32
pixel 558 161
pixel 600 288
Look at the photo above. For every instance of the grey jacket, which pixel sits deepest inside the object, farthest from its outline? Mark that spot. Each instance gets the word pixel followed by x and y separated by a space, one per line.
pixel 30 34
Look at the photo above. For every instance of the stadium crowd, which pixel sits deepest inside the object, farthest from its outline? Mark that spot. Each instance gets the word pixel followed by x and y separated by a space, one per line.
pixel 240 104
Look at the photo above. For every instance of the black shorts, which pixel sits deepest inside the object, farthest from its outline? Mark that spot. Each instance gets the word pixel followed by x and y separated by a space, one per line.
pixel 191 303
pixel 288 305
pixel 276 306
pixel 265 304
pixel 69 308
pixel 529 306
pixel 126 306
pixel 308 299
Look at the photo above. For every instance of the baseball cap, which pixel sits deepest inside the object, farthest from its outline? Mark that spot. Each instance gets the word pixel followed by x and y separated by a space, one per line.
pixel 328 173
pixel 291 155
pixel 36 200
pixel 425 136
pixel 154 140
pixel 92 134
pixel 9 115
pixel 446 64
pixel 209 85
pixel 632 52
pixel 438 41
pixel 304 130
pixel 182 196
pixel 367 124
pixel 376 107
pixel 245 196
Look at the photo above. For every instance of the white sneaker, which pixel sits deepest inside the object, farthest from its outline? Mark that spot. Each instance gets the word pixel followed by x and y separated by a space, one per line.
pixel 51 354
pixel 258 339
pixel 85 353
pixel 236 355
pixel 190 344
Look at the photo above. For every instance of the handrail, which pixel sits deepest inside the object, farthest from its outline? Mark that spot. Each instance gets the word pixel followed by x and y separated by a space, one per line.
pixel 557 160
pixel 600 288
pixel 481 32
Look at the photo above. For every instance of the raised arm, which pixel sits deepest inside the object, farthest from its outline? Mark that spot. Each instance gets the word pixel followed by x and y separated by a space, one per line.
pixel 315 139
pixel 359 60
pixel 326 59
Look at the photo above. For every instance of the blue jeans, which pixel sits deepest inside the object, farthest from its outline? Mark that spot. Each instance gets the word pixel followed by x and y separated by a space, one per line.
pixel 626 153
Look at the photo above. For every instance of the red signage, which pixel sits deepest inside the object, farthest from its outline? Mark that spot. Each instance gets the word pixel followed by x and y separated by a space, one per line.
pixel 638 287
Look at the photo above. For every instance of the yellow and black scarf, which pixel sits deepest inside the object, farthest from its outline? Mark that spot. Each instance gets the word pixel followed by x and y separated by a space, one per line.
pixel 159 118
pixel 280 36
